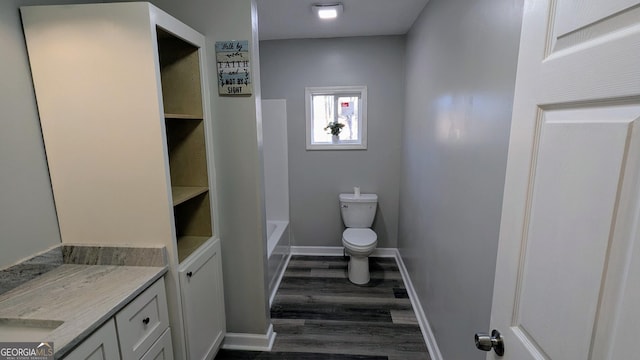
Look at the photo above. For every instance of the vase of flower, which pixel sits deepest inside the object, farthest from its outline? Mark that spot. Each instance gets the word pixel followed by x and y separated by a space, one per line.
pixel 334 129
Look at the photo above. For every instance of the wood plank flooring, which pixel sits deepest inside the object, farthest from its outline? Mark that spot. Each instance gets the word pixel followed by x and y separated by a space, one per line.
pixel 319 314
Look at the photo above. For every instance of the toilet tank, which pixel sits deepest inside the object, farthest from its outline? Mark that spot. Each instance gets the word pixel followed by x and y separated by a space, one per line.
pixel 358 211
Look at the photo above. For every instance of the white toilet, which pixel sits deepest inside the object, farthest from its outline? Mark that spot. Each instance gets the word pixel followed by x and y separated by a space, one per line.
pixel 358 239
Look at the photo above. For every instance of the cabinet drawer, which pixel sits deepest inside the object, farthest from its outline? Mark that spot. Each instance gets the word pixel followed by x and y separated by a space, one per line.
pixel 162 349
pixel 101 345
pixel 142 321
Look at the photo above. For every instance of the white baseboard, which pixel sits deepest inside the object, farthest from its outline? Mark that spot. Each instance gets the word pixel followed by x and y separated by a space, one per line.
pixel 280 276
pixel 385 252
pixel 250 342
pixel 337 251
pixel 427 333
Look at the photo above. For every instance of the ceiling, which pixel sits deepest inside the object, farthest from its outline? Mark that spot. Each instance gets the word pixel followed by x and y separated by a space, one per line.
pixel 294 19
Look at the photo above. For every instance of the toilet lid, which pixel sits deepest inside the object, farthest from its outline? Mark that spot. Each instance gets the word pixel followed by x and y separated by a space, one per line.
pixel 359 237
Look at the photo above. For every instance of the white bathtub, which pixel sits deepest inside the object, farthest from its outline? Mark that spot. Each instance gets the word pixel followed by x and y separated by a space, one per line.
pixel 278 250
pixel 275 235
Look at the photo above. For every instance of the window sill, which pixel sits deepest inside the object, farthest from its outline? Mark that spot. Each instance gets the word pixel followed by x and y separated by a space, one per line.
pixel 336 146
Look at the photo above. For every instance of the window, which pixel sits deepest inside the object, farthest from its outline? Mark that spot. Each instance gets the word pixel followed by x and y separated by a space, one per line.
pixel 346 105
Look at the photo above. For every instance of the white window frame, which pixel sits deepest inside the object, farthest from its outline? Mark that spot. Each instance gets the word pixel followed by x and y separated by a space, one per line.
pixel 309 92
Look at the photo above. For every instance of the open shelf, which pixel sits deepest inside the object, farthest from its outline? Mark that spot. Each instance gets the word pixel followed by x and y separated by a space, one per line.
pixel 187 244
pixel 180 72
pixel 187 153
pixel 186 145
pixel 192 221
pixel 182 116
pixel 181 194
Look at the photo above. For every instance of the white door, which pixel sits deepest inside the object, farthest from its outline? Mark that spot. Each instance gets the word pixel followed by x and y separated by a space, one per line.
pixel 567 282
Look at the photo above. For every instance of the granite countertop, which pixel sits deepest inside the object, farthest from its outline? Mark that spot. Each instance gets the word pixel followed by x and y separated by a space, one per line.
pixel 82 297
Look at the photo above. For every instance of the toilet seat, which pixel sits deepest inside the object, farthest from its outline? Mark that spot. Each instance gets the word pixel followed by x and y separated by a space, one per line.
pixel 359 239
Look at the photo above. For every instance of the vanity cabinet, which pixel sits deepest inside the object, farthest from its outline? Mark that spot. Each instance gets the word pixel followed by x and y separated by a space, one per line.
pixel 123 98
pixel 139 331
pixel 101 345
pixel 142 322
pixel 162 349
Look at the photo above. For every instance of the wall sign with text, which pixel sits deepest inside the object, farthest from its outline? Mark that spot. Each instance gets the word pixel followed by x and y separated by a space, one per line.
pixel 234 75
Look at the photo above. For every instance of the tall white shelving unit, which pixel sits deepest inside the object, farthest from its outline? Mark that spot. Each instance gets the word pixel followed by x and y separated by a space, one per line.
pixel 123 97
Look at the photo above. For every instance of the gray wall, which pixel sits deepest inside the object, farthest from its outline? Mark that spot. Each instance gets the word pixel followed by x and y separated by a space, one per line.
pixel 317 177
pixel 461 62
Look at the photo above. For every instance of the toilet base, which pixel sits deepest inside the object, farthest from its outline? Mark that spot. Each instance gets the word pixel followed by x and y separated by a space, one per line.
pixel 359 270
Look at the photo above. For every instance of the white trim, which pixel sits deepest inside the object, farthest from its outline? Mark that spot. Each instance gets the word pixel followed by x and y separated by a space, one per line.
pixel 427 333
pixel 337 251
pixel 280 276
pixel 250 342
pixel 385 252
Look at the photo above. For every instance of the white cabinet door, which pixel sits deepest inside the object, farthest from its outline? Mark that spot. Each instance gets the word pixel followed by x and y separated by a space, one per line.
pixel 101 345
pixel 162 349
pixel 567 282
pixel 203 302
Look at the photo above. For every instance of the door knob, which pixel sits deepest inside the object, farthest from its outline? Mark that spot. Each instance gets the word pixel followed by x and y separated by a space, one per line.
pixel 486 342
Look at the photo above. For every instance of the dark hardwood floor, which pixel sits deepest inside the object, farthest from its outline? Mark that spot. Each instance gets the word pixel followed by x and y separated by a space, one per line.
pixel 319 314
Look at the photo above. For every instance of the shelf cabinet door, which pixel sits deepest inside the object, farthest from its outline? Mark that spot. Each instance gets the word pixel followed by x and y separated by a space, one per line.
pixel 203 302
